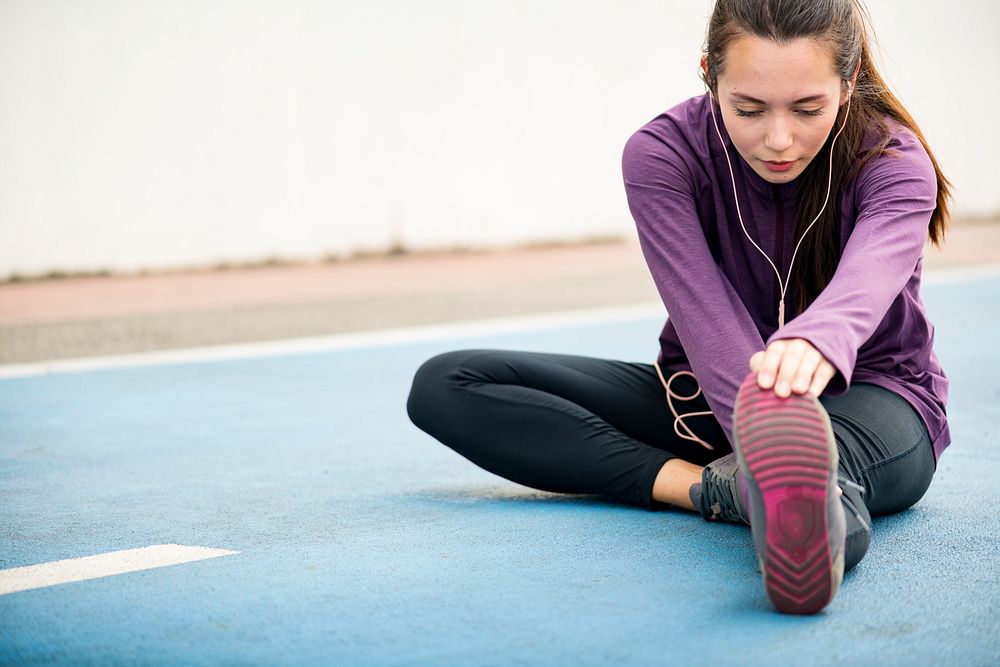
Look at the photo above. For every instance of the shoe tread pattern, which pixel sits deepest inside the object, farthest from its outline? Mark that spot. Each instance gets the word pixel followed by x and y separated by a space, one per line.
pixel 785 447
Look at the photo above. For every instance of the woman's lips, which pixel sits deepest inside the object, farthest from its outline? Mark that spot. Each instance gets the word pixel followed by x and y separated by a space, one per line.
pixel 779 166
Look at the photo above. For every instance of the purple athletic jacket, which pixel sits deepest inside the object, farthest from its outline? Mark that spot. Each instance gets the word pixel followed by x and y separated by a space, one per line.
pixel 722 295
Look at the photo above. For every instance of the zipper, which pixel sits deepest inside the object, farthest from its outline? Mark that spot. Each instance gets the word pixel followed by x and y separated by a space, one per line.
pixel 779 244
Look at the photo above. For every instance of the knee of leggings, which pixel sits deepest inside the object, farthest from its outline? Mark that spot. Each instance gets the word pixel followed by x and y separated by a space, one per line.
pixel 429 383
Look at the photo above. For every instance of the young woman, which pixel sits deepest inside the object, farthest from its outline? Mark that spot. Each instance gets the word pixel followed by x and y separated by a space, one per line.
pixel 783 216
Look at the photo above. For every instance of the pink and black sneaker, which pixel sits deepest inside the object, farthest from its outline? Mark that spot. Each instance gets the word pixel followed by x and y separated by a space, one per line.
pixel 788 457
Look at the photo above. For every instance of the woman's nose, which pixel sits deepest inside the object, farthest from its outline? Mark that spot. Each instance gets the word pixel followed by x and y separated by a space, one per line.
pixel 779 136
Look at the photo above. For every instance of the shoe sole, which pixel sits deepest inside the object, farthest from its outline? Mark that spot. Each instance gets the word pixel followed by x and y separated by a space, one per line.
pixel 786 450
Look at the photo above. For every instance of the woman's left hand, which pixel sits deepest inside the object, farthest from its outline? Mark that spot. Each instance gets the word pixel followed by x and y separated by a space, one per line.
pixel 792 365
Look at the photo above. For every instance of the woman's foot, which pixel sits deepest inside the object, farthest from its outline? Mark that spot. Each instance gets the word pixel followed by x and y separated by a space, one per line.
pixel 788 456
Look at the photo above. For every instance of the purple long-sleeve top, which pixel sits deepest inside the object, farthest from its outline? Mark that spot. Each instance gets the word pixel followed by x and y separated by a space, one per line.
pixel 721 294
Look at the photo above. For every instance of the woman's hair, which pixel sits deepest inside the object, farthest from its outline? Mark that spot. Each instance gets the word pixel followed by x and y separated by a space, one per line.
pixel 841 26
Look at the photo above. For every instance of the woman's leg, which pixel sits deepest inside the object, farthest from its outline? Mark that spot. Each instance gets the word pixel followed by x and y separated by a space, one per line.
pixel 884 447
pixel 557 422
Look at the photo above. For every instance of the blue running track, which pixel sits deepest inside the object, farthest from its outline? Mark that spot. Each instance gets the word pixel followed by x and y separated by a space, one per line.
pixel 362 541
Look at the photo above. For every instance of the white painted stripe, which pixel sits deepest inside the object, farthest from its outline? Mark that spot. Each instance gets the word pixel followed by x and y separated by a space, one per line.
pixel 404 335
pixel 57 572
pixel 345 341
pixel 961 274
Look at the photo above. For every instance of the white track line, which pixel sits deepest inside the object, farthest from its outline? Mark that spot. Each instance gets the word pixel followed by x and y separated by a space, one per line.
pixel 57 572
pixel 961 274
pixel 404 335
pixel 345 341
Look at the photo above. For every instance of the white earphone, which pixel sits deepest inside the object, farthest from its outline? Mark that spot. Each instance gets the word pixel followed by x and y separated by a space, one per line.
pixel 783 285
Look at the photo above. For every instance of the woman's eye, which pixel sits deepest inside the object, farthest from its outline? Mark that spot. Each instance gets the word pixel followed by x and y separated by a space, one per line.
pixel 754 114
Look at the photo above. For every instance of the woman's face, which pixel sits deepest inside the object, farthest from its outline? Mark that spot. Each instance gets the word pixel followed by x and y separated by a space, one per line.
pixel 779 103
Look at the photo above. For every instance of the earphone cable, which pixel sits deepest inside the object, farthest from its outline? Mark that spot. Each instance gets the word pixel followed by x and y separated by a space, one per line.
pixel 782 285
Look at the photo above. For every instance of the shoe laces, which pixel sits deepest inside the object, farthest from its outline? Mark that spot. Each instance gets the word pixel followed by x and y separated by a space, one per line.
pixel 722 493
pixel 842 482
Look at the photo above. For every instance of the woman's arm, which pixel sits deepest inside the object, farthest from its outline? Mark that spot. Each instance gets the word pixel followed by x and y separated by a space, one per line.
pixel 714 327
pixel 897 195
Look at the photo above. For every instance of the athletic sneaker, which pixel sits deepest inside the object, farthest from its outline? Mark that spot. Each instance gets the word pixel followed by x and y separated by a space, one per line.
pixel 788 455
pixel 723 493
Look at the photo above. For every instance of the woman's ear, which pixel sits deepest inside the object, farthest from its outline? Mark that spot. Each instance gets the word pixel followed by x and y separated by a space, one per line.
pixel 849 85
pixel 846 91
pixel 704 65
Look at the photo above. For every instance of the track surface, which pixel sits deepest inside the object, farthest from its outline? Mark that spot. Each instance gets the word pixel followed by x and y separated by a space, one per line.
pixel 362 541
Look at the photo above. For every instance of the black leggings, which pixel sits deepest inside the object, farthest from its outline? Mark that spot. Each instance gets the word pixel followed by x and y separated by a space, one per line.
pixel 572 424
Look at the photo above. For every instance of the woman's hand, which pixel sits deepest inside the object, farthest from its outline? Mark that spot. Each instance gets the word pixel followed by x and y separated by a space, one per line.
pixel 792 365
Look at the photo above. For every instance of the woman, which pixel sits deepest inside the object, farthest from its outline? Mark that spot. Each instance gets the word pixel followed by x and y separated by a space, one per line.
pixel 783 216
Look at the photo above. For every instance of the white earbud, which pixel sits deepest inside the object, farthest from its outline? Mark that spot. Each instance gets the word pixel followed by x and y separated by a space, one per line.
pixel 783 285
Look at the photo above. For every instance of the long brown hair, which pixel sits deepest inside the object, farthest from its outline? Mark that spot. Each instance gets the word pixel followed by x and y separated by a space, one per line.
pixel 843 26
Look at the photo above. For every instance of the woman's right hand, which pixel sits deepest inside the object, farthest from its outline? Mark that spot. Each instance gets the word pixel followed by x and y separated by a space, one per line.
pixel 792 365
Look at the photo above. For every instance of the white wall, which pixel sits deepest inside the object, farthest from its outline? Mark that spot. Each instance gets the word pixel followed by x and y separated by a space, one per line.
pixel 148 134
